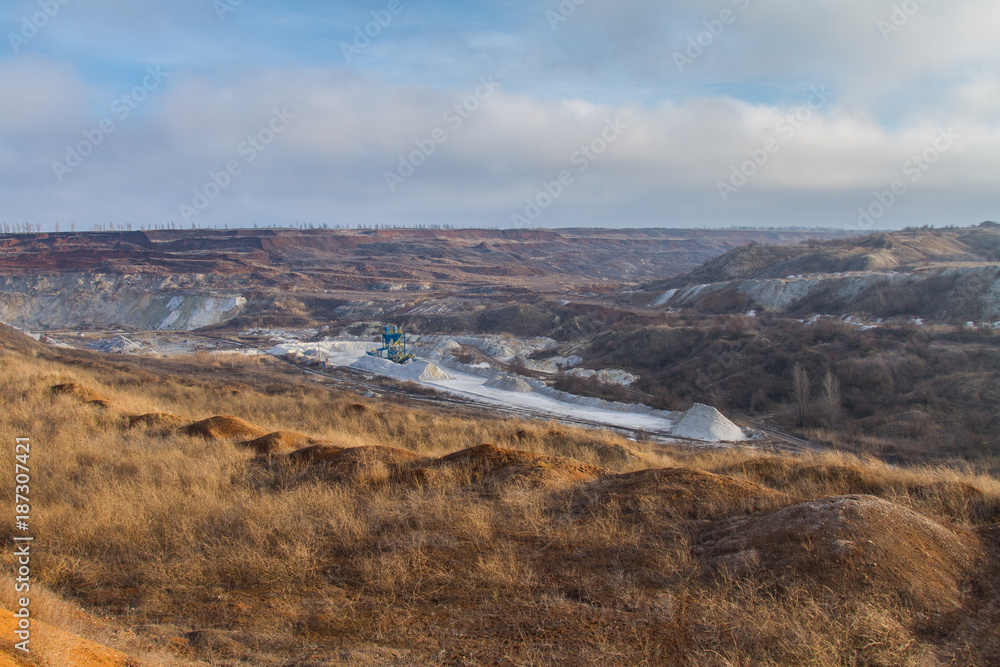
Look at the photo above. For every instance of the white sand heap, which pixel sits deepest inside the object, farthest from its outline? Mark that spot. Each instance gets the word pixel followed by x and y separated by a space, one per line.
pixel 703 422
pixel 415 371
pixel 508 383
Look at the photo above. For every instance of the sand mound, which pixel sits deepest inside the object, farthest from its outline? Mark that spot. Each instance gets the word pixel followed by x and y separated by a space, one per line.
pixel 56 646
pixel 703 422
pixel 80 392
pixel 846 542
pixel 279 442
pixel 154 420
pixel 224 427
pixel 495 466
pixel 415 371
pixel 682 492
pixel 508 383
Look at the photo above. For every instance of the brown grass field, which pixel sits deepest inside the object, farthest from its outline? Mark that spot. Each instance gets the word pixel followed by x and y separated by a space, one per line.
pixel 173 528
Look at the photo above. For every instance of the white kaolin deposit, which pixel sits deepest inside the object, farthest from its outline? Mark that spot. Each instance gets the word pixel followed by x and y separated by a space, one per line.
pixel 703 422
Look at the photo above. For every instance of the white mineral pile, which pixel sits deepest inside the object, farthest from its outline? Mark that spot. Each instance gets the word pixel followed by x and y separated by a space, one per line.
pixel 504 348
pixel 607 376
pixel 116 345
pixel 703 422
pixel 334 352
pixel 490 385
pixel 415 371
pixel 552 365
pixel 509 383
pixel 437 349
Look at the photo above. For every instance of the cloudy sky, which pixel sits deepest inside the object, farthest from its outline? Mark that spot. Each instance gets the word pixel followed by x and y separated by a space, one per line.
pixel 500 113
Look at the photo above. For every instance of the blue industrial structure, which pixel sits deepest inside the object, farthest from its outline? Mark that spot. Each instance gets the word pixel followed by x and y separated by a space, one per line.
pixel 393 345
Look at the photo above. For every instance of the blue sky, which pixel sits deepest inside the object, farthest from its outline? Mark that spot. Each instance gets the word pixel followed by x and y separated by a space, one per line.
pixel 250 112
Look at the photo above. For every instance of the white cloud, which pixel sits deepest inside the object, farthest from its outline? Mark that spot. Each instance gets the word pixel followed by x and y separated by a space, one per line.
pixel 887 99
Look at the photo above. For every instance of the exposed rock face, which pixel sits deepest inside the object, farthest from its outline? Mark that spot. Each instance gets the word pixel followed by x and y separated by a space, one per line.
pixel 952 275
pixel 971 293
pixel 101 301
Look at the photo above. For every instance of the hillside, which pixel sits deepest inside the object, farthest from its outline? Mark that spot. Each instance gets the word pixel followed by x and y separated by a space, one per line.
pixel 247 515
pixel 945 275
pixel 900 392
pixel 183 280
pixel 909 250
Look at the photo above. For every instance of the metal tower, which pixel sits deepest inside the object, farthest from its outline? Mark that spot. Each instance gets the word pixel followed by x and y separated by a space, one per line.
pixel 393 345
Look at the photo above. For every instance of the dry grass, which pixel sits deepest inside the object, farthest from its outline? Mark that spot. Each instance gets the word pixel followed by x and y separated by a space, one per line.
pixel 386 550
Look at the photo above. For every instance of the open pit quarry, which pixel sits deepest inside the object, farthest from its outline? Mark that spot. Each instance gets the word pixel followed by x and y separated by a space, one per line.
pixel 186 280
pixel 108 301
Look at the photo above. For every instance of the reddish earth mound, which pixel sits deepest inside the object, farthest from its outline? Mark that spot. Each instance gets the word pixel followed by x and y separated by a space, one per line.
pixel 154 420
pixel 80 392
pixel 55 647
pixel 848 543
pixel 612 454
pixel 493 466
pixel 355 464
pixel 683 492
pixel 831 479
pixel 224 427
pixel 279 442
pixel 313 454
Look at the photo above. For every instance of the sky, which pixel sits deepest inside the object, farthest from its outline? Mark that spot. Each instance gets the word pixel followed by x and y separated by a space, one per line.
pixel 853 114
